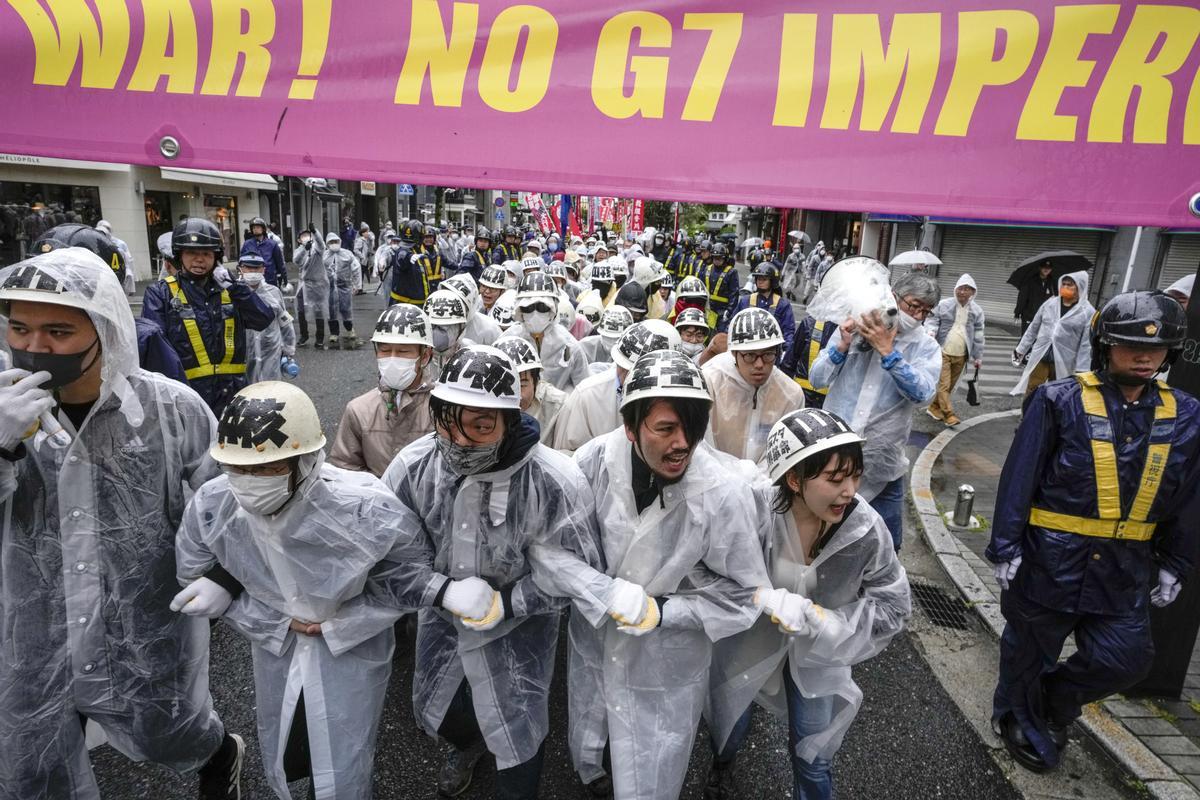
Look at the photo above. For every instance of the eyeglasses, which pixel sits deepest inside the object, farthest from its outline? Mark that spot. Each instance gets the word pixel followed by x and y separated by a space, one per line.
pixel 915 310
pixel 768 357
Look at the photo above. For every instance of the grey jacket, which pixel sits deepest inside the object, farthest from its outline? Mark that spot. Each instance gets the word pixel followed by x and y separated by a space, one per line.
pixel 939 323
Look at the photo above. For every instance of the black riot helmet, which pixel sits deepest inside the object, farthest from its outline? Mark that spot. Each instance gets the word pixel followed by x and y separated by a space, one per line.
pixel 482 232
pixel 196 234
pixel 258 222
pixel 73 234
pixel 411 232
pixel 1150 319
pixel 720 250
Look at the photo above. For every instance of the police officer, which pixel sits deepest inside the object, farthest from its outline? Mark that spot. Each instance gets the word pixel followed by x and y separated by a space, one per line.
pixel 1095 520
pixel 475 260
pixel 509 249
pixel 431 257
pixel 205 314
pixel 416 270
pixel 721 280
pixel 811 337
pixel 262 245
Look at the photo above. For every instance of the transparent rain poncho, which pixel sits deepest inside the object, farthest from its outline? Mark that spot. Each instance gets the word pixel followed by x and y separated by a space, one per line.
pixel 742 415
pixel 266 348
pixel 563 363
pixel 698 545
pixel 854 288
pixel 88 557
pixel 524 528
pixel 590 411
pixel 308 562
pixel 857 579
pixel 1066 337
pixel 314 277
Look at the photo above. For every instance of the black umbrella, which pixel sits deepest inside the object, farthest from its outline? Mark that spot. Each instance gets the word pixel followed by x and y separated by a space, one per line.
pixel 972 395
pixel 1061 263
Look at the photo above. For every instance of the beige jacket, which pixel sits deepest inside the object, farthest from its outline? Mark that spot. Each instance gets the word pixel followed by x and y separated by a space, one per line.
pixel 369 435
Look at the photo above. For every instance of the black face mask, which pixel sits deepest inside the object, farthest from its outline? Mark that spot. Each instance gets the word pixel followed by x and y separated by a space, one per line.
pixel 603 287
pixel 64 368
pixel 620 281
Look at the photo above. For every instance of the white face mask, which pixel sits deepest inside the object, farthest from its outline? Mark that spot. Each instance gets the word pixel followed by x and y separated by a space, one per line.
pixel 397 373
pixel 260 494
pixel 334 246
pixel 252 279
pixel 908 323
pixel 690 349
pixel 537 321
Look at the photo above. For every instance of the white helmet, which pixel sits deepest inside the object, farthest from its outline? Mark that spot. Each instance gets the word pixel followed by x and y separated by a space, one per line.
pixel 664 373
pixel 528 264
pixel 536 286
pixel 646 271
pixel 692 318
pixel 502 309
pixel 802 433
pixel 691 286
pixel 447 307
pixel 402 324
pixel 613 322
pixel 267 421
pixel 591 306
pixel 520 352
pixel 465 285
pixel 644 337
pixel 479 376
pixel 513 268
pixel 602 271
pixel 754 329
pixel 555 269
pixel 619 267
pixel 566 311
pixel 494 277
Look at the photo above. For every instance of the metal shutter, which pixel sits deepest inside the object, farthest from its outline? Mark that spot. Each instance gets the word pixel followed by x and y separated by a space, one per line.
pixel 1183 255
pixel 990 254
pixel 906 237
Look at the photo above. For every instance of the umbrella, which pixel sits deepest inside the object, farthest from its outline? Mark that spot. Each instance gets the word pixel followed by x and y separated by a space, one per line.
pixel 913 257
pixel 1061 262
pixel 800 236
pixel 752 241
pixel 972 394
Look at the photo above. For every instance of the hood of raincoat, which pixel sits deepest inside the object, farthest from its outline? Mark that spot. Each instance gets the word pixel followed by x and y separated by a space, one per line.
pixel 966 280
pixel 1081 281
pixel 90 285
pixel 1184 285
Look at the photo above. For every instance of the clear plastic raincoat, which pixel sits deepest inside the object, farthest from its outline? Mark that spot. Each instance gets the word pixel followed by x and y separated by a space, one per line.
pixel 482 329
pixel 309 561
pixel 742 415
pixel 547 402
pixel 314 278
pixel 265 348
pixel 525 529
pixel 856 578
pixel 878 403
pixel 597 350
pixel 87 553
pixel 1067 336
pixel 644 695
pixel 563 363
pixel 591 410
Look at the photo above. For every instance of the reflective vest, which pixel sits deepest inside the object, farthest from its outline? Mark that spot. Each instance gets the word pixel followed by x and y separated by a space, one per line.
pixel 1110 524
pixel 814 350
pixel 204 367
pixel 712 287
pixel 431 277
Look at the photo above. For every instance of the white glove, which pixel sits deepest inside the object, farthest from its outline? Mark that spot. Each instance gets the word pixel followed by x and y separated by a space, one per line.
pixel 1006 571
pixel 650 619
pixel 792 614
pixel 222 277
pixel 22 401
pixel 628 602
pixel 494 616
pixel 770 599
pixel 1167 590
pixel 202 598
pixel 415 258
pixel 470 598
pixel 821 622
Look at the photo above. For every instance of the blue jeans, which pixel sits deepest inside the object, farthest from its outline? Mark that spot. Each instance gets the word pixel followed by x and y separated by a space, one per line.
pixel 890 505
pixel 806 716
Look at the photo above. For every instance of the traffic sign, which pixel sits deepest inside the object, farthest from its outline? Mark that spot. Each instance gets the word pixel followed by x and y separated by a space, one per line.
pixel 404 188
pixel 499 216
pixel 499 202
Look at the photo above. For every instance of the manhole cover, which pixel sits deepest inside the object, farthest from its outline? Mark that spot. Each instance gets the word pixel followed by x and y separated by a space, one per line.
pixel 939 607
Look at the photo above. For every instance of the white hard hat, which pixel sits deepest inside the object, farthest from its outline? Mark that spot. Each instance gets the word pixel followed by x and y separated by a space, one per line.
pixel 692 318
pixel 646 271
pixel 267 421
pixel 535 286
pixel 494 277
pixel 402 324
pixel 619 267
pixel 465 285
pixel 446 307
pixel 613 322
pixel 520 352
pixel 754 329
pixel 502 309
pixel 479 376
pixel 664 373
pixel 644 337
pixel 532 263
pixel 566 311
pixel 602 271
pixel 691 286
pixel 591 306
pixel 802 433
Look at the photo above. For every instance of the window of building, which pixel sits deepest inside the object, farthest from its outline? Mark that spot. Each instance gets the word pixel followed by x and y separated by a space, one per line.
pixel 27 210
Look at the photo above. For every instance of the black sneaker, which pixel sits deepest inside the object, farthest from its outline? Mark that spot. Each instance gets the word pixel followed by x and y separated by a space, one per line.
pixel 319 346
pixel 303 342
pixel 459 769
pixel 720 782
pixel 221 777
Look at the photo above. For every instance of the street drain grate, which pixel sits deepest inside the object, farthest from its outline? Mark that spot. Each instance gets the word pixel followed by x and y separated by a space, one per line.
pixel 941 609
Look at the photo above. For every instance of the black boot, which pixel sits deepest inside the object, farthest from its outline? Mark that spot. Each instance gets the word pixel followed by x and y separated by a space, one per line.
pixel 720 782
pixel 1018 745
pixel 459 769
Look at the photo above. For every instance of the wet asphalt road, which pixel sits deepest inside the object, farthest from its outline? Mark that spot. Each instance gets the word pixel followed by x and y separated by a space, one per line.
pixel 909 741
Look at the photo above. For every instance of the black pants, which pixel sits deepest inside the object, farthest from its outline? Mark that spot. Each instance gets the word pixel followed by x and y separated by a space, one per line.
pixel 461 729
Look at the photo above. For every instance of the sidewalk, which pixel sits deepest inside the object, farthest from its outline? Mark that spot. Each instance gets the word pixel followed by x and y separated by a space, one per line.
pixel 1156 740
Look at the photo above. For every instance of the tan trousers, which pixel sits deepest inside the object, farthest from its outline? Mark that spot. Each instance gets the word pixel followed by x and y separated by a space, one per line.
pixel 952 367
pixel 1042 373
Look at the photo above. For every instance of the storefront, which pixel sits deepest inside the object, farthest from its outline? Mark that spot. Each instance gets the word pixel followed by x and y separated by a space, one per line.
pixel 1181 255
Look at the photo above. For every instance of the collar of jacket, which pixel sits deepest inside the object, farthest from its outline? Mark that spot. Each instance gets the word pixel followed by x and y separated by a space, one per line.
pixel 519 443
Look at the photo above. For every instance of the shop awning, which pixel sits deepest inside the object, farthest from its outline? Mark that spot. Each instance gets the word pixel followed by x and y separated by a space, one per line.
pixel 240 180
pixel 873 217
pixel 1007 223
pixel 43 161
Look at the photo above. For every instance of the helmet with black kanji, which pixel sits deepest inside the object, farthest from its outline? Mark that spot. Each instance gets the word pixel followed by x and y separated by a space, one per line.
pixel 479 376
pixel 754 329
pixel 402 324
pixel 691 318
pixel 493 276
pixel 664 373
pixel 693 287
pixel 503 308
pixel 803 433
pixel 644 337
pixel 614 320
pixel 267 421
pixel 447 307
pixel 520 352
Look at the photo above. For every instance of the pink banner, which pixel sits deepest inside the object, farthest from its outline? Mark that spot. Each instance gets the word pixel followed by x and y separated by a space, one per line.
pixel 537 208
pixel 1022 110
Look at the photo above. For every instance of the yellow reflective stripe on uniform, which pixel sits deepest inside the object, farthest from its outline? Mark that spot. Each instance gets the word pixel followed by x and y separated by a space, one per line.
pixel 1104 454
pixel 1156 460
pixel 814 350
pixel 774 301
pixel 402 299
pixel 204 366
pixel 1101 528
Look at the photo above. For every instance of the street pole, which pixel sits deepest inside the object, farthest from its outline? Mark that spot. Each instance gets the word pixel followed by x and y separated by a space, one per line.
pixel 1137 240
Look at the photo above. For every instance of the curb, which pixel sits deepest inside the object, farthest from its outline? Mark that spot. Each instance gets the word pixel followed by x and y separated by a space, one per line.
pixel 957 561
